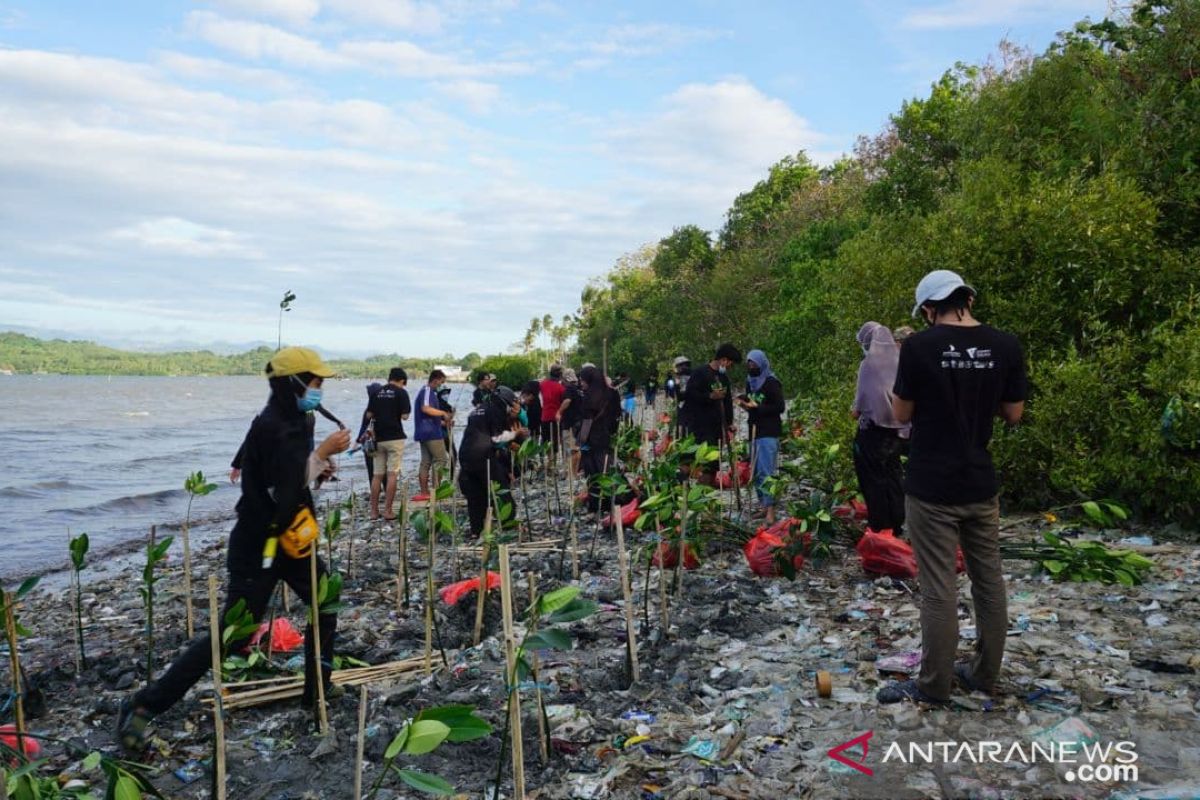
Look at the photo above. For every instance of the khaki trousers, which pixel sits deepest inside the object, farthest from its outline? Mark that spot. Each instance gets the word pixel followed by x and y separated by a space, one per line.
pixel 936 531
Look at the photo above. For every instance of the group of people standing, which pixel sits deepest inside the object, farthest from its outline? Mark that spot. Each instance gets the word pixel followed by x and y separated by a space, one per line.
pixel 935 395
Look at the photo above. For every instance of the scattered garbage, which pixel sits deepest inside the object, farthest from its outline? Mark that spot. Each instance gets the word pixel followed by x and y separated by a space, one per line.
pixel 760 553
pixel 700 748
pixel 725 478
pixel 8 737
pixel 666 555
pixel 629 515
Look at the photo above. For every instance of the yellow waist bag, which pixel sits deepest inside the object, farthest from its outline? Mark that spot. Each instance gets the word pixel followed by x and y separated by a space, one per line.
pixel 297 540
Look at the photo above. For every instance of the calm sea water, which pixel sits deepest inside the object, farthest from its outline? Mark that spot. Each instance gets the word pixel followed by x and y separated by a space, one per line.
pixel 109 456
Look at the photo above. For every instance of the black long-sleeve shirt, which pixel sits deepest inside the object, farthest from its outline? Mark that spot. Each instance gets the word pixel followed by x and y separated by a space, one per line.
pixel 766 421
pixel 274 461
pixel 705 417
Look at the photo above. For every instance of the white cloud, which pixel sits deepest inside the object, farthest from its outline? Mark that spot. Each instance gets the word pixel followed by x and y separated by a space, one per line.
pixel 409 60
pixel 400 14
pixel 978 13
pixel 478 96
pixel 293 12
pixel 219 72
pixel 644 39
pixel 175 236
pixel 256 40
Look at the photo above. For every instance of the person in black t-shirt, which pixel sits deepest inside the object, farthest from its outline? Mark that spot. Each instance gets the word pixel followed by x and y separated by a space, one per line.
pixel 708 404
pixel 651 390
pixel 953 380
pixel 568 417
pixel 764 406
pixel 387 410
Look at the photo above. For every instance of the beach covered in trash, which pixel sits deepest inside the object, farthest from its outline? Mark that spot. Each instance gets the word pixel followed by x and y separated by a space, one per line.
pixel 726 703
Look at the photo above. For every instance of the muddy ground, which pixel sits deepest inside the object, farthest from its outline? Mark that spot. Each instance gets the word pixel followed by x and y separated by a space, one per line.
pixel 726 699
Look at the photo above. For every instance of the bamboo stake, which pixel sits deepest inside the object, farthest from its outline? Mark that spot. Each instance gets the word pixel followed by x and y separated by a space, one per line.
pixel 315 611
pixel 630 632
pixel 214 624
pixel 287 600
pixel 543 739
pixel 10 630
pixel 403 544
pixel 431 531
pixel 362 730
pixel 187 581
pixel 753 466
pixel 683 521
pixel 481 595
pixel 510 652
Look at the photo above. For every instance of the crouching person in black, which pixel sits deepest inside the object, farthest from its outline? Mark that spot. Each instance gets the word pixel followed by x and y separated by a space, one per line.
pixel 491 427
pixel 277 470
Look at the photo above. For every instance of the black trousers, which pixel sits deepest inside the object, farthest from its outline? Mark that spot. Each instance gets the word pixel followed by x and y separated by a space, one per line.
pixel 592 463
pixel 880 477
pixel 473 480
pixel 256 588
pixel 549 429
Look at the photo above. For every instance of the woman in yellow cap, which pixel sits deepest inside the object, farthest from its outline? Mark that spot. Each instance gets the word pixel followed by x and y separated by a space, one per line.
pixel 277 470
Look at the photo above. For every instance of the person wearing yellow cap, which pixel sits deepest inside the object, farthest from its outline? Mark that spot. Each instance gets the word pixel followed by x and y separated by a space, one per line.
pixel 266 544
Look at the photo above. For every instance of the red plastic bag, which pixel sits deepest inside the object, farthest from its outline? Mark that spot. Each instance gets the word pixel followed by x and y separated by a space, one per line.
pixel 743 476
pixel 667 556
pixel 629 515
pixel 582 497
pixel 457 591
pixel 284 636
pixel 663 444
pixel 760 553
pixel 8 735
pixel 883 553
pixel 854 510
pixel 420 498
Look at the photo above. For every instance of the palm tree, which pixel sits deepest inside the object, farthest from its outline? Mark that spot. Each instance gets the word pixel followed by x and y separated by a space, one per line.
pixel 548 325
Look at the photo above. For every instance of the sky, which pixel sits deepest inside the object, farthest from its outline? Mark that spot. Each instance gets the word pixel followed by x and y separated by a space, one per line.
pixel 424 175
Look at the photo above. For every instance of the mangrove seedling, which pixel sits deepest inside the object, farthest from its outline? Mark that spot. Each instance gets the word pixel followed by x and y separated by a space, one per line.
pixel 196 486
pixel 560 606
pixel 1081 561
pixel 78 546
pixel 155 553
pixel 424 734
pixel 20 780
pixel 239 624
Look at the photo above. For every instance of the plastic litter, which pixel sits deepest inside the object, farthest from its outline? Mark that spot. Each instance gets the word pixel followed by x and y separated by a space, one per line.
pixel 725 481
pixel 854 510
pixel 190 772
pixel 457 591
pixel 637 715
pixel 284 636
pixel 906 662
pixel 705 749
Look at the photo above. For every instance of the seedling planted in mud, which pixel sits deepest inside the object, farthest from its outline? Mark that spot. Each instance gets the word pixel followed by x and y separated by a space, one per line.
pixel 78 546
pixel 21 780
pixel 239 624
pixel 196 486
pixel 155 553
pixel 560 606
pixel 12 630
pixel 424 734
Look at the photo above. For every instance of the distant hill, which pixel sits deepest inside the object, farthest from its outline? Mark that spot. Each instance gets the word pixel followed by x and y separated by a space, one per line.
pixel 25 354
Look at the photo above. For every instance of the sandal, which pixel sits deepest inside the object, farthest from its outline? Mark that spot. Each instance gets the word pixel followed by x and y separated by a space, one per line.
pixel 905 690
pixel 132 722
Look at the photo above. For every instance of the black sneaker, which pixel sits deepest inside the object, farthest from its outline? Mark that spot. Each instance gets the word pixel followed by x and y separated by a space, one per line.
pixel 905 690
pixel 132 722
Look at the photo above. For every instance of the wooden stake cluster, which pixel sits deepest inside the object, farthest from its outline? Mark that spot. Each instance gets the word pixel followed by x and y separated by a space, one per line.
pixel 543 738
pixel 214 625
pixel 249 694
pixel 481 595
pixel 510 654
pixel 361 742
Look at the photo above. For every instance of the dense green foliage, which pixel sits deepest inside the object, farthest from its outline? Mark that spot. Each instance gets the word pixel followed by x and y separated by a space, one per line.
pixel 25 354
pixel 510 371
pixel 1065 187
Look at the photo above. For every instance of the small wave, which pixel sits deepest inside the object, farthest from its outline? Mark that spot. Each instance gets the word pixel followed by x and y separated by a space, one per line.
pixel 39 489
pixel 135 413
pixel 131 503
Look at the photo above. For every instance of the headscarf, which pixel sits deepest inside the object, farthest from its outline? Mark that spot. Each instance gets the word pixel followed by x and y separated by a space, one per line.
pixel 757 382
pixel 877 376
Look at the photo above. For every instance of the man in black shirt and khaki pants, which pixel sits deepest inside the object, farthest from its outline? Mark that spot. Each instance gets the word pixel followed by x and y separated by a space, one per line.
pixel 953 380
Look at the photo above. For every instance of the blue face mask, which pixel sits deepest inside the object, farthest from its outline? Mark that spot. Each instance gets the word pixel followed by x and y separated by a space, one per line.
pixel 524 418
pixel 309 400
